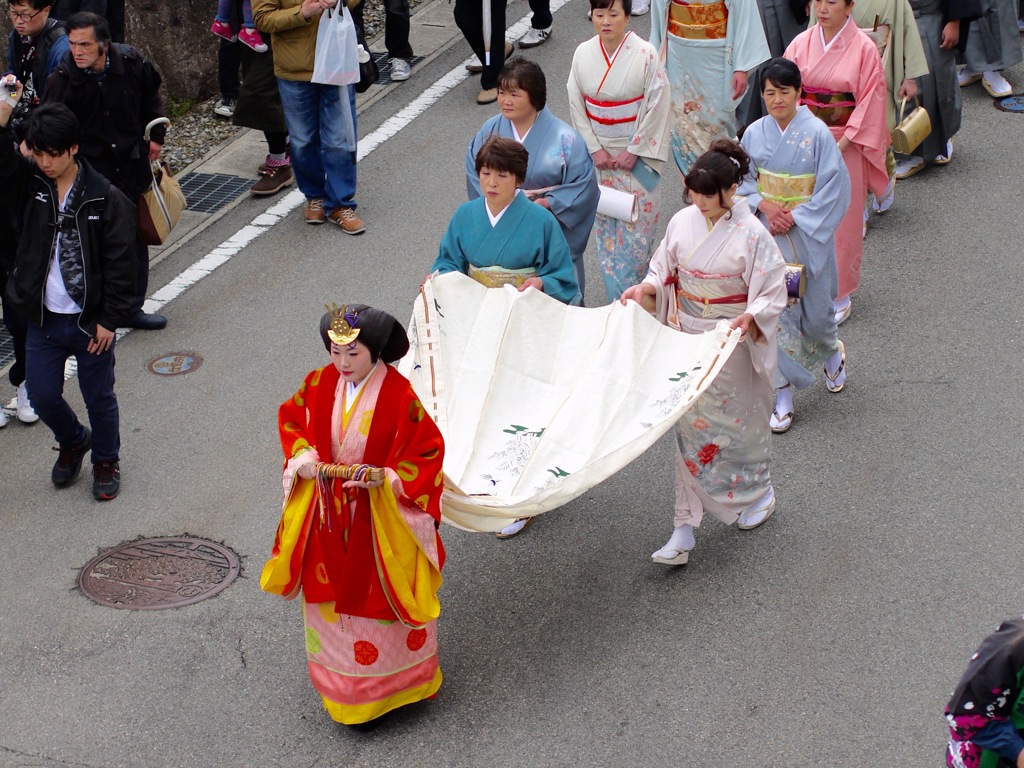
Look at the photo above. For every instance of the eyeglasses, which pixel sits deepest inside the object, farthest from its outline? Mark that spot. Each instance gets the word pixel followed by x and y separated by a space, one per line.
pixel 15 16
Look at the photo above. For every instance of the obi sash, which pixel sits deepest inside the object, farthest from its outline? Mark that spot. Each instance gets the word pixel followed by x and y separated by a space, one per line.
pixel 495 277
pixel 832 107
pixel 710 296
pixel 698 21
pixel 613 119
pixel 785 189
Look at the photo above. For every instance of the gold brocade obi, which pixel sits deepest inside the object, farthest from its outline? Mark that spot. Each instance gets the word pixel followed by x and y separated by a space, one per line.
pixel 699 294
pixel 698 21
pixel 785 189
pixel 831 107
pixel 495 277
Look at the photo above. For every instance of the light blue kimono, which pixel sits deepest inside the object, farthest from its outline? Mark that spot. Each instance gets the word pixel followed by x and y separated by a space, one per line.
pixel 700 73
pixel 559 159
pixel 526 236
pixel 807 331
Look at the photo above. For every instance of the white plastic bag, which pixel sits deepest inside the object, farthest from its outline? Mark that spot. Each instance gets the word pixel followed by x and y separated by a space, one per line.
pixel 336 62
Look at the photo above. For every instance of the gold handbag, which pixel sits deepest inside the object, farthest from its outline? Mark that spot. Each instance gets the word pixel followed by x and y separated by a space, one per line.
pixel 912 130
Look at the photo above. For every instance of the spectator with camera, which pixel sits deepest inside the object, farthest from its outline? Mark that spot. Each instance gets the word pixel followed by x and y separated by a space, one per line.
pixel 36 45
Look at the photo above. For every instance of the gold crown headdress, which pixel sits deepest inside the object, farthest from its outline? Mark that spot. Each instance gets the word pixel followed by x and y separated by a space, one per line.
pixel 342 330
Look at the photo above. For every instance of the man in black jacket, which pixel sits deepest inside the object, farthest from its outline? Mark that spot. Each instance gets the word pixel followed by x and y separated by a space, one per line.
pixel 73 280
pixel 115 92
pixel 35 46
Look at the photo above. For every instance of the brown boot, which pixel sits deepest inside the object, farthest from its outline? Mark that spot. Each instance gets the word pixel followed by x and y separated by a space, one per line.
pixel 272 181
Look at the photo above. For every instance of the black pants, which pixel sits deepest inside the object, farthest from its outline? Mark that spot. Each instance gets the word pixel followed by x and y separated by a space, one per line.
pixel 396 27
pixel 541 14
pixel 469 18
pixel 229 59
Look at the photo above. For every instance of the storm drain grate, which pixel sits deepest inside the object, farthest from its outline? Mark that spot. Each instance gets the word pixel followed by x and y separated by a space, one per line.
pixel 6 347
pixel 384 65
pixel 150 574
pixel 209 192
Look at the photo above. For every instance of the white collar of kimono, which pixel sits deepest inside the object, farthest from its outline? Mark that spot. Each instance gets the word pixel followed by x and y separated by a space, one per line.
pixel 821 34
pixel 515 133
pixel 352 390
pixel 496 217
pixel 609 60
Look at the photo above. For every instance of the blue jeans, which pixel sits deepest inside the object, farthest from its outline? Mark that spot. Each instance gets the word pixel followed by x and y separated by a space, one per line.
pixel 323 155
pixel 47 348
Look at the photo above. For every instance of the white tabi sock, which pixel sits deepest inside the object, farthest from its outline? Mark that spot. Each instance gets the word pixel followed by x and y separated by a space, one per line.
pixel 832 365
pixel 682 538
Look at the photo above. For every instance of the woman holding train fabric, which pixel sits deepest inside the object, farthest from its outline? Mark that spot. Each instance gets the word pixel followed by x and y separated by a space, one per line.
pixel 717 262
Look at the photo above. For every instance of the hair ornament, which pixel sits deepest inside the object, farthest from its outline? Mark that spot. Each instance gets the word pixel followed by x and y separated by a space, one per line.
pixel 734 160
pixel 343 329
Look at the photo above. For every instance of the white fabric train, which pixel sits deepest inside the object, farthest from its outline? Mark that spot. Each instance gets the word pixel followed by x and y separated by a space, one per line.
pixel 538 401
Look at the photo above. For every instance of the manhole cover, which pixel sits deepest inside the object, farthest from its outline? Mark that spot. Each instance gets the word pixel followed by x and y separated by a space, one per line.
pixel 175 363
pixel 150 574
pixel 1013 104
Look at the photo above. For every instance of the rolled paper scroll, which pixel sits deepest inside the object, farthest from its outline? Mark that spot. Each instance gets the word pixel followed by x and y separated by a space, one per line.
pixel 624 206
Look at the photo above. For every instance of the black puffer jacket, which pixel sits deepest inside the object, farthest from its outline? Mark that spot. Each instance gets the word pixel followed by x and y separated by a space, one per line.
pixel 106 224
pixel 113 112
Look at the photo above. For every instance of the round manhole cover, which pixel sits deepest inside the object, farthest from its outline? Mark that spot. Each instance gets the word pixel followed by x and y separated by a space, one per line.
pixel 175 363
pixel 150 574
pixel 1013 104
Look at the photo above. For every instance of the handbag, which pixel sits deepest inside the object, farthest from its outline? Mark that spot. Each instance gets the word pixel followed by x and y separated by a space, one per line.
pixel 160 206
pixel 795 276
pixel 369 72
pixel 335 61
pixel 912 130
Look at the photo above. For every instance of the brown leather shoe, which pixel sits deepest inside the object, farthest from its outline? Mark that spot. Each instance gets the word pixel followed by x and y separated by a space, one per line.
pixel 272 180
pixel 348 221
pixel 315 211
pixel 476 69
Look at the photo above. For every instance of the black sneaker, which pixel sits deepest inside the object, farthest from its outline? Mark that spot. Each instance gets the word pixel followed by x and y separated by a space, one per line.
pixel 106 480
pixel 69 461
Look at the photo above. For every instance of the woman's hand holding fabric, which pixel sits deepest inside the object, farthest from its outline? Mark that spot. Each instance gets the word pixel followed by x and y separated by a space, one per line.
pixel 747 326
pixel 637 292
pixel 362 483
pixel 532 282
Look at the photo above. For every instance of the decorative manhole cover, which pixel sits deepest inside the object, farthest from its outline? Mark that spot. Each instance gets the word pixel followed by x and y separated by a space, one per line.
pixel 150 574
pixel 175 363
pixel 1013 104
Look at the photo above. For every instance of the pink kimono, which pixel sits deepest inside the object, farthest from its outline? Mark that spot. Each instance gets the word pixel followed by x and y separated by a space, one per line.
pixel 850 66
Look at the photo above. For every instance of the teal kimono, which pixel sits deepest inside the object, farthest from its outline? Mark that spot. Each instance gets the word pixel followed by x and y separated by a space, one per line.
pixel 526 236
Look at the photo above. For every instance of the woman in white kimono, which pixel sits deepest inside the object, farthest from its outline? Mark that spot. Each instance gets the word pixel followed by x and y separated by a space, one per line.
pixel 801 190
pixel 620 104
pixel 710 49
pixel 561 174
pixel 718 262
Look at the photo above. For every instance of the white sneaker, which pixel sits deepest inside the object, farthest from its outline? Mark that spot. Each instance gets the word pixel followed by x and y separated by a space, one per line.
pixel 26 413
pixel 535 37
pixel 641 7
pixel 400 70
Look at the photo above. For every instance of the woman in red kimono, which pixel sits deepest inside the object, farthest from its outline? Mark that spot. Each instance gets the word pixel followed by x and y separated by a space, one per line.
pixel 358 536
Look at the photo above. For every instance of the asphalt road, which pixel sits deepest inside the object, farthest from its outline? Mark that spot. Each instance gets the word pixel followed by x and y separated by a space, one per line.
pixel 832 636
